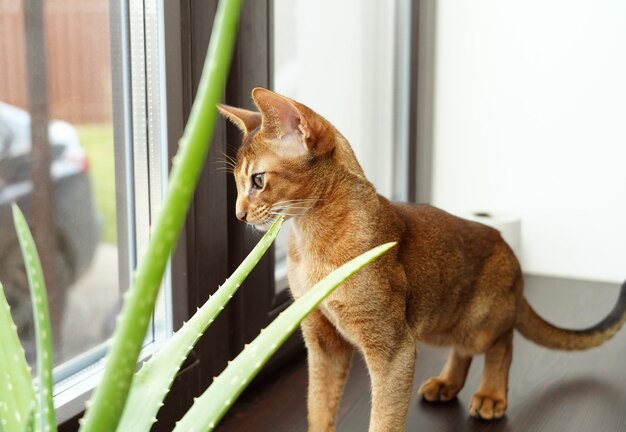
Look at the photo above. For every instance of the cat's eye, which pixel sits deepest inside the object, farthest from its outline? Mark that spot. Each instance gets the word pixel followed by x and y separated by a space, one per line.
pixel 258 180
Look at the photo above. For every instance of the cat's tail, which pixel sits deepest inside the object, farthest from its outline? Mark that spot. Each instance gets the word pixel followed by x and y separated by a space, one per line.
pixel 535 328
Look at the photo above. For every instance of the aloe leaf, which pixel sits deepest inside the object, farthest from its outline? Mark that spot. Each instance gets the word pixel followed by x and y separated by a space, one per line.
pixel 17 394
pixel 211 406
pixel 153 381
pixel 45 417
pixel 30 420
pixel 107 405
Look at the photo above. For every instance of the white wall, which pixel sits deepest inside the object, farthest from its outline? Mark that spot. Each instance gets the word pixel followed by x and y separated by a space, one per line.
pixel 337 58
pixel 530 119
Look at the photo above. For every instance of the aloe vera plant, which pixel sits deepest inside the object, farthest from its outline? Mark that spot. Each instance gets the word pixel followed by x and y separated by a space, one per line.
pixel 124 400
pixel 154 379
pixel 209 408
pixel 43 408
pixel 152 382
pixel 22 406
pixel 17 394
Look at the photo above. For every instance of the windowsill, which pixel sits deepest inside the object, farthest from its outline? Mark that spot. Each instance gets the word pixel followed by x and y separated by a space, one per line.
pixel 71 393
pixel 549 390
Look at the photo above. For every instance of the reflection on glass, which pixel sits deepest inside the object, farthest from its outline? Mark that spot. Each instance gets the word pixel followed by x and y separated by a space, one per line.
pixel 284 58
pixel 280 257
pixel 84 293
pixel 353 77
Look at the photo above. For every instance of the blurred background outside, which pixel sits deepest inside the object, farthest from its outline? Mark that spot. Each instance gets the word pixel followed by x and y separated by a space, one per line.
pixel 82 168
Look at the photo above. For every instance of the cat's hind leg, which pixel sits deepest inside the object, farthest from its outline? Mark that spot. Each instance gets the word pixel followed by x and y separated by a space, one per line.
pixel 490 400
pixel 450 381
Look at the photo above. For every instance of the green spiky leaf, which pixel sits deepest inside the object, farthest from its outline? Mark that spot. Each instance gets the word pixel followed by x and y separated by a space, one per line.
pixel 30 421
pixel 45 417
pixel 110 396
pixel 154 380
pixel 211 406
pixel 17 394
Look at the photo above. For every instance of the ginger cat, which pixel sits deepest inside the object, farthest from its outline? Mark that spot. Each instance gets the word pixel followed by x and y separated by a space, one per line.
pixel 448 282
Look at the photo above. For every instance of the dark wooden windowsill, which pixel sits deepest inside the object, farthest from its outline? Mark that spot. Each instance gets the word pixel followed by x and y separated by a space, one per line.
pixel 549 390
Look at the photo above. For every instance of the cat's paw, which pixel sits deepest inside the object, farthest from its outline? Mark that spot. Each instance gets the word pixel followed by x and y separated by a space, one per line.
pixel 487 407
pixel 438 390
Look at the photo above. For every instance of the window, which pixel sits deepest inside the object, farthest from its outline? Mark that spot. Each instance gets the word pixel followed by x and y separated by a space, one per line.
pixel 364 93
pixel 81 116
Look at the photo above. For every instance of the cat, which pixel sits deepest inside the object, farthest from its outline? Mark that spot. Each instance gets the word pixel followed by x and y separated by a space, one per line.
pixel 449 281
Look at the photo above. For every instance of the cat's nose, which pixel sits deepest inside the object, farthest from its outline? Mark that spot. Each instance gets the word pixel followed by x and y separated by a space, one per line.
pixel 241 215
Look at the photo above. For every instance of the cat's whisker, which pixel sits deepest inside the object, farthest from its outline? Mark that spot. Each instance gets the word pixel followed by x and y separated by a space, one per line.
pixel 266 224
pixel 226 160
pixel 294 202
pixel 308 204
pixel 232 147
pixel 302 200
pixel 223 165
pixel 296 208
pixel 223 169
pixel 292 208
pixel 289 208
pixel 288 214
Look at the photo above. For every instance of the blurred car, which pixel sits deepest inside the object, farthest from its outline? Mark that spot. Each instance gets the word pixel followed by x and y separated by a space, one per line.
pixel 76 222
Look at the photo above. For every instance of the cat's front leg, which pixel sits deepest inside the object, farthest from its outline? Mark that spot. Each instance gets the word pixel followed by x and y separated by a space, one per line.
pixel 329 358
pixel 391 366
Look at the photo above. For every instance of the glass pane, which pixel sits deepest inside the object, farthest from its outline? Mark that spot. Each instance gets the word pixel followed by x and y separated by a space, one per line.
pixel 63 179
pixel 58 162
pixel 349 78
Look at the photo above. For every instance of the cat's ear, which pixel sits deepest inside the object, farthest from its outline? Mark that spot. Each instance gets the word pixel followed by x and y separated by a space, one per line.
pixel 288 118
pixel 244 119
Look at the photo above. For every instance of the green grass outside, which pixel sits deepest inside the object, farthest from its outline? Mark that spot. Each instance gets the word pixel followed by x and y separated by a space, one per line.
pixel 97 140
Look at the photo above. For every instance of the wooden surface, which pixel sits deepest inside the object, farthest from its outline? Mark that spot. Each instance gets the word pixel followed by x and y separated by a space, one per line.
pixel 549 390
